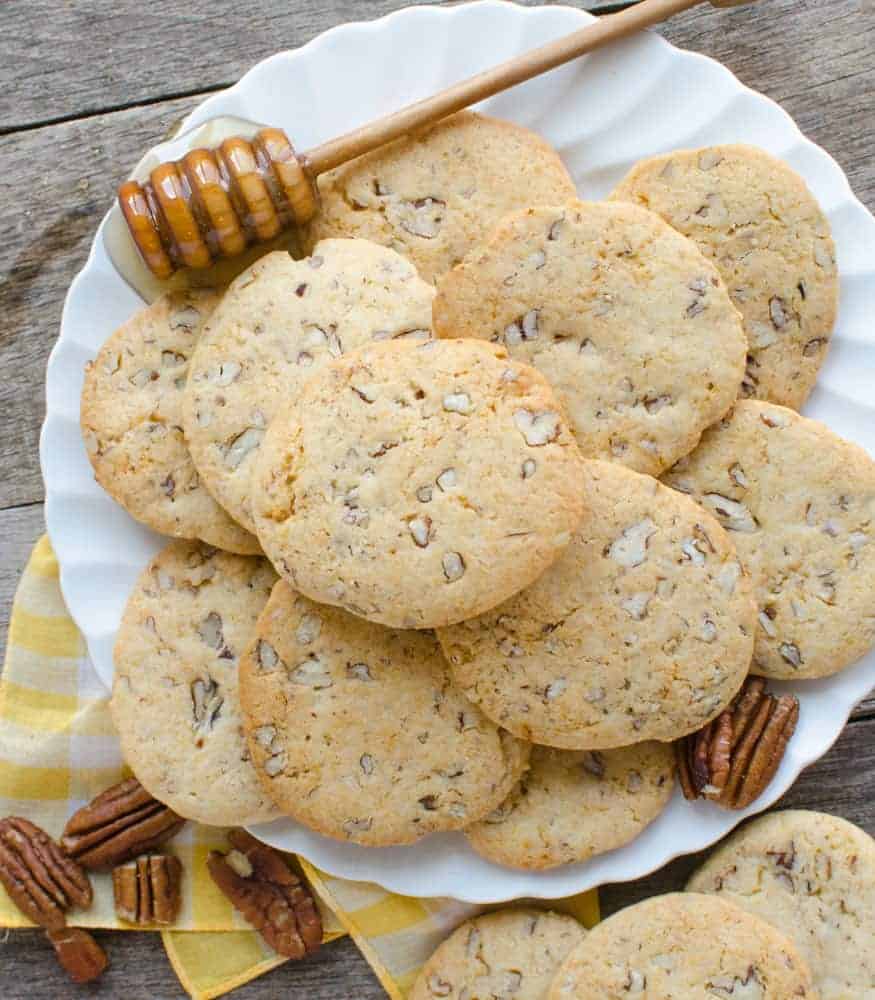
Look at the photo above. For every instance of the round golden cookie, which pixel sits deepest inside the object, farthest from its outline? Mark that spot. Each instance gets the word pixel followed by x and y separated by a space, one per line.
pixel 573 804
pixel 417 485
pixel 131 417
pixel 631 325
pixel 175 697
pixel 754 217
pixel 642 629
pixel 357 732
pixel 812 876
pixel 506 955
pixel 686 946
pixel 281 321
pixel 799 504
pixel 432 195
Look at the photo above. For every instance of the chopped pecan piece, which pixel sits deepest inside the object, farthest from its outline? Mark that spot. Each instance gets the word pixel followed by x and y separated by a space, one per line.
pixel 40 879
pixel 119 824
pixel 147 889
pixel 732 760
pixel 79 953
pixel 269 895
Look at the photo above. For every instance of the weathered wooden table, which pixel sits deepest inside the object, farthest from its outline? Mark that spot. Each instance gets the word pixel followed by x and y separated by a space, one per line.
pixel 87 86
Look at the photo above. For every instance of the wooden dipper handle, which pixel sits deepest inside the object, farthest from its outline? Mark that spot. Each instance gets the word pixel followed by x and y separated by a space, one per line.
pixel 214 203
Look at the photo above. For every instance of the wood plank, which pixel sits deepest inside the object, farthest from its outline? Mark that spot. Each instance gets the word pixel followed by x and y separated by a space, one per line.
pixel 139 970
pixel 818 67
pixel 88 58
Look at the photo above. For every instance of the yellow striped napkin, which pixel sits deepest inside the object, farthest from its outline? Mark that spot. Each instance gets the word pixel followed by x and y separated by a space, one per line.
pixel 58 749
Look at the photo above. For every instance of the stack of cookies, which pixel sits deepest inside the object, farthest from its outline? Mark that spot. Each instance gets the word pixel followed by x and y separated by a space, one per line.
pixel 425 575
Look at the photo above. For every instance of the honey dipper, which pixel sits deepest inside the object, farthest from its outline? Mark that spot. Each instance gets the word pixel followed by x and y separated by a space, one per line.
pixel 216 203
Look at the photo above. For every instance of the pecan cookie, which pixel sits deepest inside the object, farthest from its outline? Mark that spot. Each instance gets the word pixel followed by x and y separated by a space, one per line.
pixel 509 953
pixel 688 946
pixel 573 804
pixel 417 485
pixel 799 503
pixel 131 417
pixel 643 629
pixel 174 699
pixel 633 328
pixel 357 732
pixel 280 321
pixel 757 221
pixel 812 876
pixel 433 194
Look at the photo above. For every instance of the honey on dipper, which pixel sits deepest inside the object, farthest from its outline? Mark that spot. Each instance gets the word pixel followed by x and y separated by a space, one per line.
pixel 215 203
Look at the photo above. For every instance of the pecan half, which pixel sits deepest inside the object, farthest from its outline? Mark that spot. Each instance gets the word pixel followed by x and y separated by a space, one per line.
pixel 147 889
pixel 732 760
pixel 119 824
pixel 269 895
pixel 79 953
pixel 40 879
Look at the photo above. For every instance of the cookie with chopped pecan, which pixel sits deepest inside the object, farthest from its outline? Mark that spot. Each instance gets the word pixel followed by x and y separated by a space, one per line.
pixel 174 700
pixel 813 877
pixel 512 953
pixel 798 502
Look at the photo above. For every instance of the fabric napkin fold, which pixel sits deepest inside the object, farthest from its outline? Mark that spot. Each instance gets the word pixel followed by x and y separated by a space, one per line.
pixel 58 749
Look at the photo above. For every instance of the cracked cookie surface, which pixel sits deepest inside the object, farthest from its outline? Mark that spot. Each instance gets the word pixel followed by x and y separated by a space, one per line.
pixel 281 321
pixel 812 876
pixel 799 503
pixel 754 217
pixel 175 695
pixel 642 629
pixel 573 804
pixel 131 418
pixel 433 195
pixel 631 325
pixel 688 946
pixel 417 485
pixel 357 731
pixel 506 955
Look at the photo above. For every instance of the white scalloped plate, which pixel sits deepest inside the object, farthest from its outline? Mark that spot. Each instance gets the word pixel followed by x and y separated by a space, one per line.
pixel 603 113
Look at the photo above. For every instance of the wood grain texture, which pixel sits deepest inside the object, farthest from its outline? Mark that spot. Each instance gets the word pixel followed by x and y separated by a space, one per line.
pixel 139 970
pixel 117 74
pixel 75 59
